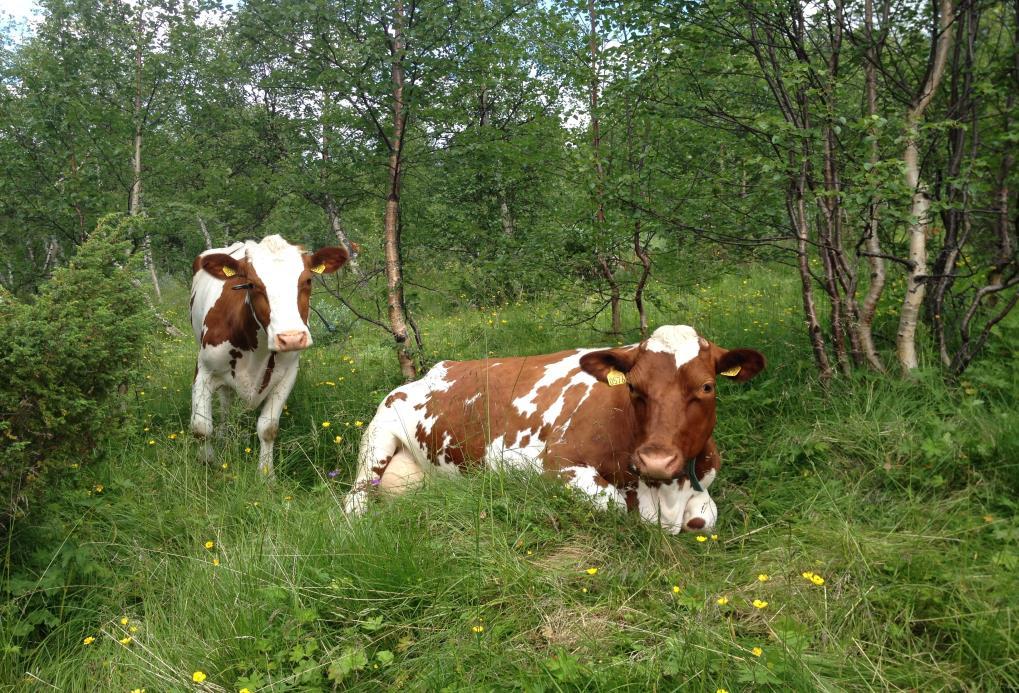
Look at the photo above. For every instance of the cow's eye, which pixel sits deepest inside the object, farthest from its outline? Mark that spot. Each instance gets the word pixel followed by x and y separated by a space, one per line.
pixel 707 388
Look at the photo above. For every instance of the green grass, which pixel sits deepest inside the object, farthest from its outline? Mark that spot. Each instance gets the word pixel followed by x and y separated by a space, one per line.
pixel 900 494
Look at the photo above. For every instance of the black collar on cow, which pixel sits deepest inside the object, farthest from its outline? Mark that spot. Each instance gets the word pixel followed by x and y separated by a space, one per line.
pixel 691 472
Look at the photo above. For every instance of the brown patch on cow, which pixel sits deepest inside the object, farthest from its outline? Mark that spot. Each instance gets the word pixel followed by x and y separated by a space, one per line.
pixel 230 319
pixel 234 358
pixel 267 376
pixel 380 467
pixel 395 397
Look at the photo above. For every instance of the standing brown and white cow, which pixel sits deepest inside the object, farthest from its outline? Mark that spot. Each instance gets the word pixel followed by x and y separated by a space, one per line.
pixel 631 427
pixel 249 312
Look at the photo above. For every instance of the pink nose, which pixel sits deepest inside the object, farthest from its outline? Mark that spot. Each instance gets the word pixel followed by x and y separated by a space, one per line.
pixel 291 341
pixel 657 463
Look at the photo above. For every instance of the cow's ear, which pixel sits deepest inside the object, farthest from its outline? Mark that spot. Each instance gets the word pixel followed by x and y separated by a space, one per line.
pixel 740 364
pixel 602 364
pixel 326 260
pixel 222 266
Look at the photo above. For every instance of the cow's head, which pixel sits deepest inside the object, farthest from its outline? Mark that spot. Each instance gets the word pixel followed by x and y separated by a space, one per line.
pixel 277 278
pixel 671 380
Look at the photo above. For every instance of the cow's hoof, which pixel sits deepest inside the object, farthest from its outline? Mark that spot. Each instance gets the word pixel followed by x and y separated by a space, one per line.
pixel 355 503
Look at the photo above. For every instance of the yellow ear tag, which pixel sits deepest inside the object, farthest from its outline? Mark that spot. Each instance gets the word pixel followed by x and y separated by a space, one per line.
pixel 614 377
pixel 228 271
pixel 731 373
pixel 319 269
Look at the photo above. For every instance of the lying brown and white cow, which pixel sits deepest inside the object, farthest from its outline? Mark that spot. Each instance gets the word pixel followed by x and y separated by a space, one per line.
pixel 249 312
pixel 631 427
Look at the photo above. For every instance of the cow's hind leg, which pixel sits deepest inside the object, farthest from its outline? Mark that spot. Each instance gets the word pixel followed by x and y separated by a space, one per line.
pixel 380 450
pixel 201 412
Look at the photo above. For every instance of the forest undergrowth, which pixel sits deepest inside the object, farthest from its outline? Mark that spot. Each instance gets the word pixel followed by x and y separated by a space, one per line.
pixel 868 536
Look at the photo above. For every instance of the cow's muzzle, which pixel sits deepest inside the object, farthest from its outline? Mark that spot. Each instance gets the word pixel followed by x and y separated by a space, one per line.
pixel 294 340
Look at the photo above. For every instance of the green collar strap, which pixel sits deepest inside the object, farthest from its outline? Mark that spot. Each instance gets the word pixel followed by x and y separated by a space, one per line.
pixel 691 472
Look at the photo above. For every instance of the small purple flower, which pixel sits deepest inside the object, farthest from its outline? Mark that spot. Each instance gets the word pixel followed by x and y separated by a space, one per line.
pixel 375 482
pixel 333 474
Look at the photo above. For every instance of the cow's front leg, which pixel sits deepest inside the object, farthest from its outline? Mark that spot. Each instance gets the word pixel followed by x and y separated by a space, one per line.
pixel 587 479
pixel 700 513
pixel 224 411
pixel 269 419
pixel 201 411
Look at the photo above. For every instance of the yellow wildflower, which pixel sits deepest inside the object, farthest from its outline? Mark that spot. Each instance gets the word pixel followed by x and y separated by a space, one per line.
pixel 126 640
pixel 137 690
pixel 123 621
pixel 675 589
pixel 210 544
pixel 172 436
pixel 760 603
pixel 478 629
pixel 721 690
pixel 151 442
pixel 133 629
pixel 244 690
pixel 215 561
pixel 359 423
pixel 817 579
pixel 757 652
pixel 247 451
pixel 99 488
pixel 763 577
pixel 338 439
pixel 88 641
pixel 701 538
pixel 807 575
pixel 714 537
pixel 198 676
pixel 583 589
pixel 592 571
pixel 722 601
pixel 325 424
pixel 225 465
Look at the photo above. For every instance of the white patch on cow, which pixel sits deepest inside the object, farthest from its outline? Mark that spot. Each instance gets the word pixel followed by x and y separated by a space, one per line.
pixel 667 503
pixel 472 399
pixel 514 454
pixel 603 497
pixel 527 403
pixel 279 265
pixel 679 340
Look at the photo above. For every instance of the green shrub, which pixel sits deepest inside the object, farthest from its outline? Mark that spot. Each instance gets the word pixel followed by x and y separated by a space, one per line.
pixel 63 355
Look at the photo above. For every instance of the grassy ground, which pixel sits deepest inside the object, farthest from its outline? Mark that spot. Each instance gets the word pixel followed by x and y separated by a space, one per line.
pixel 899 496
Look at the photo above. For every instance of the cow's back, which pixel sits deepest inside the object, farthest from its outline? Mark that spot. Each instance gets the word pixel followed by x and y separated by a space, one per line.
pixel 522 411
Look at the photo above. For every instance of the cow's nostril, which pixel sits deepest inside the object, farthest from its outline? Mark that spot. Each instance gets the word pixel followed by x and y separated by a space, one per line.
pixel 695 523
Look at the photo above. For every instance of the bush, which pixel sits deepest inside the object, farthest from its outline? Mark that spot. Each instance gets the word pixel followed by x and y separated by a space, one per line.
pixel 63 355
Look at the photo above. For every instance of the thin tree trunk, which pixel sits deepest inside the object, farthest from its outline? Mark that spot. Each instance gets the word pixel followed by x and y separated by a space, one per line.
pixel 797 207
pixel 332 210
pixel 394 263
pixel 605 260
pixel 205 232
pixel 638 294
pixel 920 206
pixel 505 218
pixel 136 183
pixel 871 242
